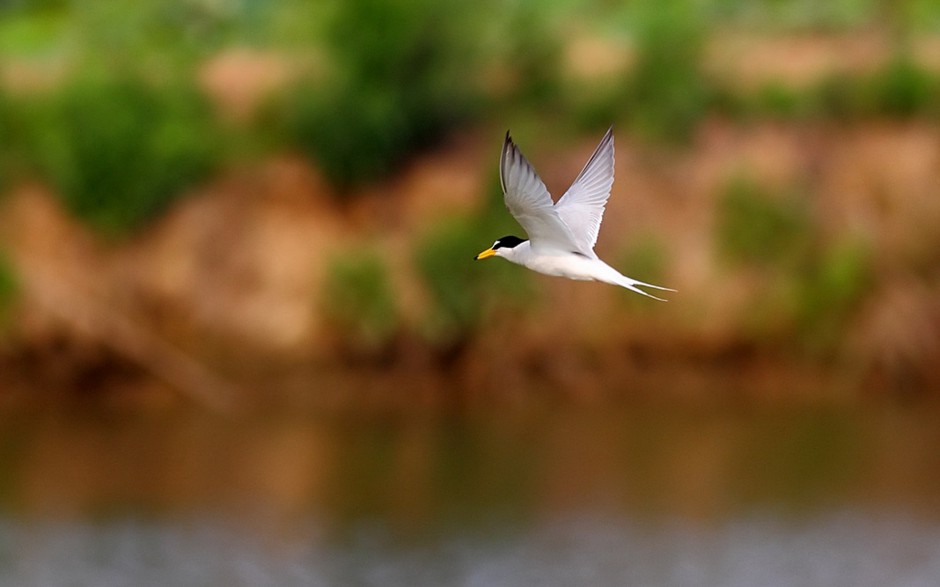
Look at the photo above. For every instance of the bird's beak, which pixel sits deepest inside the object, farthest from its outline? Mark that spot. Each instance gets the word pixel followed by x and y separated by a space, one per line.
pixel 485 254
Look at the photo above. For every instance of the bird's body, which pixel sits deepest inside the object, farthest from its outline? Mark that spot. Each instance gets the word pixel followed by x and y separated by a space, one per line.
pixel 561 235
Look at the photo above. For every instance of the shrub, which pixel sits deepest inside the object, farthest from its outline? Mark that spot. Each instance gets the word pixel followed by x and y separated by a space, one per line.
pixel 13 142
pixel 359 301
pixel 777 100
pixel 443 258
pixel 6 139
pixel 531 51
pixel 462 292
pixel 831 290
pixel 807 293
pixel 120 150
pixel 668 93
pixel 901 89
pixel 9 288
pixel 402 79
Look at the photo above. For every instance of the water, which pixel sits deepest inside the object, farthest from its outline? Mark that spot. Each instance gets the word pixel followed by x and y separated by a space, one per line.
pixel 548 495
pixel 845 548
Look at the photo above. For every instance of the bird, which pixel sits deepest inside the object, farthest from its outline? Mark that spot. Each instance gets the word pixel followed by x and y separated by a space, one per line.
pixel 561 234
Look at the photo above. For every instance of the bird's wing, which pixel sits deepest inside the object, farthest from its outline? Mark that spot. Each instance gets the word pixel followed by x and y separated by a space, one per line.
pixel 582 206
pixel 530 203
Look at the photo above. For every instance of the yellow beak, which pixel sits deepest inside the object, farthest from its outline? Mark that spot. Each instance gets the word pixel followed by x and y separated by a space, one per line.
pixel 485 254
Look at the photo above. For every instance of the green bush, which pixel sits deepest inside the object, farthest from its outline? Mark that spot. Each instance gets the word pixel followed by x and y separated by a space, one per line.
pixel 760 228
pixel 9 288
pixel 444 261
pixel 9 147
pixel 901 89
pixel 463 292
pixel 402 79
pixel 807 293
pixel 668 92
pixel 777 100
pixel 120 150
pixel 831 291
pixel 359 300
pixel 530 50
pixel 13 140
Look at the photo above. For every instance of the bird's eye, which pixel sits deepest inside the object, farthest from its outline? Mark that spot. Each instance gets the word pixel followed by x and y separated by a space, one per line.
pixel 496 245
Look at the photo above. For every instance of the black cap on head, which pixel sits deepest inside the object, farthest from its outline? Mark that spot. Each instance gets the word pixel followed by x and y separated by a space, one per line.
pixel 508 242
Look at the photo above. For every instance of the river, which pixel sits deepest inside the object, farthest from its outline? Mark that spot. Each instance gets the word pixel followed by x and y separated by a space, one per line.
pixel 558 493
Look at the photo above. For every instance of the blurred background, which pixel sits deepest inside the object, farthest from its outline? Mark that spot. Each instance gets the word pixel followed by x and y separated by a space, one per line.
pixel 243 340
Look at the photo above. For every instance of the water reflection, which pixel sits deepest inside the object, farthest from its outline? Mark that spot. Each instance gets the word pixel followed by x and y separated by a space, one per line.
pixel 545 495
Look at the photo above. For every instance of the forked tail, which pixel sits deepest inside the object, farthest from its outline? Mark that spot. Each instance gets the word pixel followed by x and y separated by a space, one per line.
pixel 632 284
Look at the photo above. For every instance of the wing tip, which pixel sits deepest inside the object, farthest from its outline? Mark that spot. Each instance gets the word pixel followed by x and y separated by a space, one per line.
pixel 507 150
pixel 508 142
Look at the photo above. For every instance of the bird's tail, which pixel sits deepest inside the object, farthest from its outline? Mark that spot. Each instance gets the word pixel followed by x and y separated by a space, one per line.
pixel 631 284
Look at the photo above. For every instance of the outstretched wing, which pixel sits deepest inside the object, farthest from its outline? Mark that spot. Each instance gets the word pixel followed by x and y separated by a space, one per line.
pixel 582 206
pixel 530 203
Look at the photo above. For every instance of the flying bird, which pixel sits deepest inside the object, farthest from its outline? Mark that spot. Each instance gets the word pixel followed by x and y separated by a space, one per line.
pixel 561 235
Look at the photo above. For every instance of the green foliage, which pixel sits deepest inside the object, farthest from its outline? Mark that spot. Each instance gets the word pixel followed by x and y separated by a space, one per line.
pixel 903 89
pixel 402 80
pixel 839 96
pixel 33 29
pixel 783 15
pixel 463 292
pixel 668 93
pixel 444 261
pixel 831 290
pixel 531 51
pixel 154 33
pixel 777 100
pixel 761 228
pixel 900 89
pixel 14 143
pixel 9 288
pixel 359 300
pixel 7 140
pixel 120 150
pixel 807 294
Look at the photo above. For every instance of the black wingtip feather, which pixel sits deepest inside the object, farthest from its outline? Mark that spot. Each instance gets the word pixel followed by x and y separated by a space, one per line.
pixel 507 148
